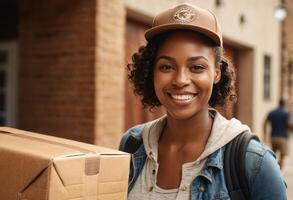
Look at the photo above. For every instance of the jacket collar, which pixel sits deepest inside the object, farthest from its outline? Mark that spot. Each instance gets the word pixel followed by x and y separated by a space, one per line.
pixel 214 162
pixel 216 159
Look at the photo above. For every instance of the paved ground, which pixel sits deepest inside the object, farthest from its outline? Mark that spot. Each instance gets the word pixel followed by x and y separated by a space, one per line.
pixel 288 171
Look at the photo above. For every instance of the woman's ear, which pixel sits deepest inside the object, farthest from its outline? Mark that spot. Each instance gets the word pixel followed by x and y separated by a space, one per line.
pixel 217 77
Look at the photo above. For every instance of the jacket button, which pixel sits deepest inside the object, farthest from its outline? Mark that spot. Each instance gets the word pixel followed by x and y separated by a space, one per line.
pixel 201 189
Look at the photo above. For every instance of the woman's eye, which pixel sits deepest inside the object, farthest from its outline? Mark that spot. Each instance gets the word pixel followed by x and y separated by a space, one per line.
pixel 165 68
pixel 197 68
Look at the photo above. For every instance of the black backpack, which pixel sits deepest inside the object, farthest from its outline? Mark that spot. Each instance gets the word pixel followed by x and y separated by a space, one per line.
pixel 234 166
pixel 234 163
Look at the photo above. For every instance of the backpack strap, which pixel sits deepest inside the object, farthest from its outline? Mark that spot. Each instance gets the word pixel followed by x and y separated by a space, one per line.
pixel 234 166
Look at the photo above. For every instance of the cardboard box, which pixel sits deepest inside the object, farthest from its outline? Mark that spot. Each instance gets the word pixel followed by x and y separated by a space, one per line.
pixel 40 167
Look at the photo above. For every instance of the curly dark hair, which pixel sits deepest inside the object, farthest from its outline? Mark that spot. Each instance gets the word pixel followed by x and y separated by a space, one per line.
pixel 140 74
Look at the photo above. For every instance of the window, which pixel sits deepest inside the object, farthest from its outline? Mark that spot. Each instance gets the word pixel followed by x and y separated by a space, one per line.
pixel 3 63
pixel 267 78
pixel 8 83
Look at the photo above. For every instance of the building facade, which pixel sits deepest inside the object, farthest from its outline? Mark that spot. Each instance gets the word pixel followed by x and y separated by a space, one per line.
pixel 287 56
pixel 63 63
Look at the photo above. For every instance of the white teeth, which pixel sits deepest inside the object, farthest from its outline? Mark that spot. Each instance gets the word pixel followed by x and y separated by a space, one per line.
pixel 182 97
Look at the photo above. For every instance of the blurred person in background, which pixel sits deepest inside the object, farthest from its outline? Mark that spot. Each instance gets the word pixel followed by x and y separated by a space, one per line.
pixel 181 155
pixel 279 120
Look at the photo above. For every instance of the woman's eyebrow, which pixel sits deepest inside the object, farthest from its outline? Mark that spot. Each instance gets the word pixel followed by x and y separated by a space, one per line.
pixel 197 58
pixel 166 57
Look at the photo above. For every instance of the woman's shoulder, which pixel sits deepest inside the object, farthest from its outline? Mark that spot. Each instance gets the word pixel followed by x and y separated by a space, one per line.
pixel 263 172
pixel 256 154
pixel 133 134
pixel 135 131
pixel 256 148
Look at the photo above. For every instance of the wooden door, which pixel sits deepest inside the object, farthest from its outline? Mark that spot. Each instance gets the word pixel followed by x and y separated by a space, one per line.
pixel 134 112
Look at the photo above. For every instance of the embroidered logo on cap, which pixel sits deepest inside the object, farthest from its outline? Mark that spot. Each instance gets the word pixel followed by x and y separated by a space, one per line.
pixel 184 15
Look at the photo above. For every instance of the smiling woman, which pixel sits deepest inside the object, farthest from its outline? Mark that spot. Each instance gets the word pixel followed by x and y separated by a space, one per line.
pixel 180 155
pixel 184 74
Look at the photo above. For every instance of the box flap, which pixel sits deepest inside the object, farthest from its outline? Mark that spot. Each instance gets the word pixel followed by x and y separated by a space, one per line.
pixel 38 188
pixel 97 176
pixel 12 167
pixel 71 170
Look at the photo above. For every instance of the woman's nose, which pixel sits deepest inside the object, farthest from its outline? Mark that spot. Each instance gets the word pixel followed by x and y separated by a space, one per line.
pixel 181 78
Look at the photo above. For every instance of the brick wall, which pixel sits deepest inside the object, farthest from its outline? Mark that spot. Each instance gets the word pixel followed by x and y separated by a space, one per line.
pixel 56 73
pixel 71 80
pixel 110 25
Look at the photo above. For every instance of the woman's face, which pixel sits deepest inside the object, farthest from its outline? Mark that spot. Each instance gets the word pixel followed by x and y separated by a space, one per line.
pixel 184 74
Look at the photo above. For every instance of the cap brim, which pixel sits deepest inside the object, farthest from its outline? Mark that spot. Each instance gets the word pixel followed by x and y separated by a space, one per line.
pixel 150 33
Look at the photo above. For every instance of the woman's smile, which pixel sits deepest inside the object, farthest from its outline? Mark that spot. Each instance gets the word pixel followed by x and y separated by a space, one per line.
pixel 182 98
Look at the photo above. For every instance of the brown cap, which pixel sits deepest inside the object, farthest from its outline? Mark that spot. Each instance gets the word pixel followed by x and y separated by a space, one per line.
pixel 187 17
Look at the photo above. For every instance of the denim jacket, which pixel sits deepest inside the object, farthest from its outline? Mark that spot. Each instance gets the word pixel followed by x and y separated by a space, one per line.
pixel 263 174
